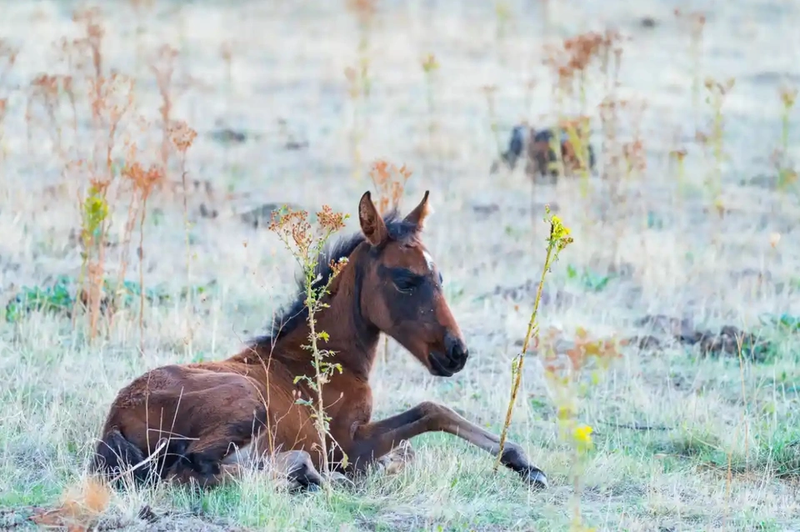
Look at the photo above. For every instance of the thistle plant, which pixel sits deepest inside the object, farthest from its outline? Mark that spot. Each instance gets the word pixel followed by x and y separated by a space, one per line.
pixel 306 244
pixel 556 242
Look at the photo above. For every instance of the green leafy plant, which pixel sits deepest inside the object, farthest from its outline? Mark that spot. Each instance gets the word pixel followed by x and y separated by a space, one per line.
pixel 61 296
pixel 306 244
pixel 589 279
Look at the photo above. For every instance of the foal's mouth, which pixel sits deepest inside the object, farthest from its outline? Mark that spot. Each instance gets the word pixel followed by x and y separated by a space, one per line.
pixel 443 366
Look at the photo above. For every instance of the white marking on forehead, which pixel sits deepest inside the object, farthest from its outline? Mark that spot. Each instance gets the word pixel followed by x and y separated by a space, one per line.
pixel 428 259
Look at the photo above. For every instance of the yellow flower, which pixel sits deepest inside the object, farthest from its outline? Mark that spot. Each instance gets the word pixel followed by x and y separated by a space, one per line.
pixel 583 437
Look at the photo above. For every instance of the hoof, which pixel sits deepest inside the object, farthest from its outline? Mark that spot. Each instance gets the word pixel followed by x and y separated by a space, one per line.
pixel 536 478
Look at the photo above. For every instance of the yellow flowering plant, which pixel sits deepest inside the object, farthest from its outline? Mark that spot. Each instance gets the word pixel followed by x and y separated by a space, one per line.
pixel 564 372
pixel 556 242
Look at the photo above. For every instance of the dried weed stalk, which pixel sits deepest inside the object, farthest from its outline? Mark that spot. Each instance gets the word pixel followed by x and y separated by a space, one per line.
pixel 390 184
pixel 787 175
pixel 696 22
pixel 144 182
pixel 429 66
pixel 182 137
pixel 717 92
pixel 163 67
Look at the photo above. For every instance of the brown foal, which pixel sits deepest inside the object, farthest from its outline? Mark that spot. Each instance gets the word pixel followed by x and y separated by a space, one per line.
pixel 198 422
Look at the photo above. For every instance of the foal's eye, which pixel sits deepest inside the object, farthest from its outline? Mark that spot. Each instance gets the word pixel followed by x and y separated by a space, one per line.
pixel 405 280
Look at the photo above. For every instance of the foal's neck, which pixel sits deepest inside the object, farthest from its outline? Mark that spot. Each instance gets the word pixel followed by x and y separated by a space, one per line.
pixel 353 341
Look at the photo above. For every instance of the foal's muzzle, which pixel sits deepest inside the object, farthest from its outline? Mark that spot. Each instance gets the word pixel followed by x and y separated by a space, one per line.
pixel 452 360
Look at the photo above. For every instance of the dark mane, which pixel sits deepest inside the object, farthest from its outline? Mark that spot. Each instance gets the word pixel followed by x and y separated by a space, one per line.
pixel 297 313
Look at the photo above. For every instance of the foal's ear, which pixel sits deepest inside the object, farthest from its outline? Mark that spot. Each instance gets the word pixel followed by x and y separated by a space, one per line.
pixel 420 212
pixel 371 222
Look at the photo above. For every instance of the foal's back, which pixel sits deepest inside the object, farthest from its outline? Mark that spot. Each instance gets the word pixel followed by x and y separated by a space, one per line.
pixel 205 409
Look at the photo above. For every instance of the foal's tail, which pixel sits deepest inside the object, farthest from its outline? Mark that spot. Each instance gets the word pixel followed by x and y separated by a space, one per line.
pixel 115 455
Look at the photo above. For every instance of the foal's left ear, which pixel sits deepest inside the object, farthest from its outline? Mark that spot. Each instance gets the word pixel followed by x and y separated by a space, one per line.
pixel 420 212
pixel 371 222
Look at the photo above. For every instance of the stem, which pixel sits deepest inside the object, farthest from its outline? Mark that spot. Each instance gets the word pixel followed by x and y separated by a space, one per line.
pixel 320 421
pixel 517 364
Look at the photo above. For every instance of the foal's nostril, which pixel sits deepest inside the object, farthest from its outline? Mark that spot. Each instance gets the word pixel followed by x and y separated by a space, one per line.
pixel 456 349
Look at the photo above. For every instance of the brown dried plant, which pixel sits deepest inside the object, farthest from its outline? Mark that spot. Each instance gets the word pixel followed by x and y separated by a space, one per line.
pixel 569 63
pixel 696 22
pixel 717 93
pixel 144 182
pixel 182 137
pixel 45 88
pixel 163 67
pixel 390 182
pixel 364 11
pixel 570 60
pixel 634 156
pixel 8 57
pixel 110 99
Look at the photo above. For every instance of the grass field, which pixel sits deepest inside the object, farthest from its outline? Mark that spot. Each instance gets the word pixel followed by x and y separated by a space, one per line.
pixel 685 438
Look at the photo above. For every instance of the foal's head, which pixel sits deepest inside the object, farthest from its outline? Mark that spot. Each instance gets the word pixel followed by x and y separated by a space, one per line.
pixel 401 291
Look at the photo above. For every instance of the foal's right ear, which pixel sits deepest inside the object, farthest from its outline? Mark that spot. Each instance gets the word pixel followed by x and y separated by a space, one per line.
pixel 371 222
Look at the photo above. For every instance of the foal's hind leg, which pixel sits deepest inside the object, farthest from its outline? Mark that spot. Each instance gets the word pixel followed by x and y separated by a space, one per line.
pixel 188 476
pixel 294 470
pixel 374 440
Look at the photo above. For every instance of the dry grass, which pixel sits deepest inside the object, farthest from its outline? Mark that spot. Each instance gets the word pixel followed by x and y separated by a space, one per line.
pixel 681 441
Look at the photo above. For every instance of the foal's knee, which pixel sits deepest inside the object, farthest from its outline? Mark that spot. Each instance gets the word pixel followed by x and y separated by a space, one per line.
pixel 432 410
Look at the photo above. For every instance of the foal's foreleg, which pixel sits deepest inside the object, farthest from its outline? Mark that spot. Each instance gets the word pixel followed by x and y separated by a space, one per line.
pixel 374 440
